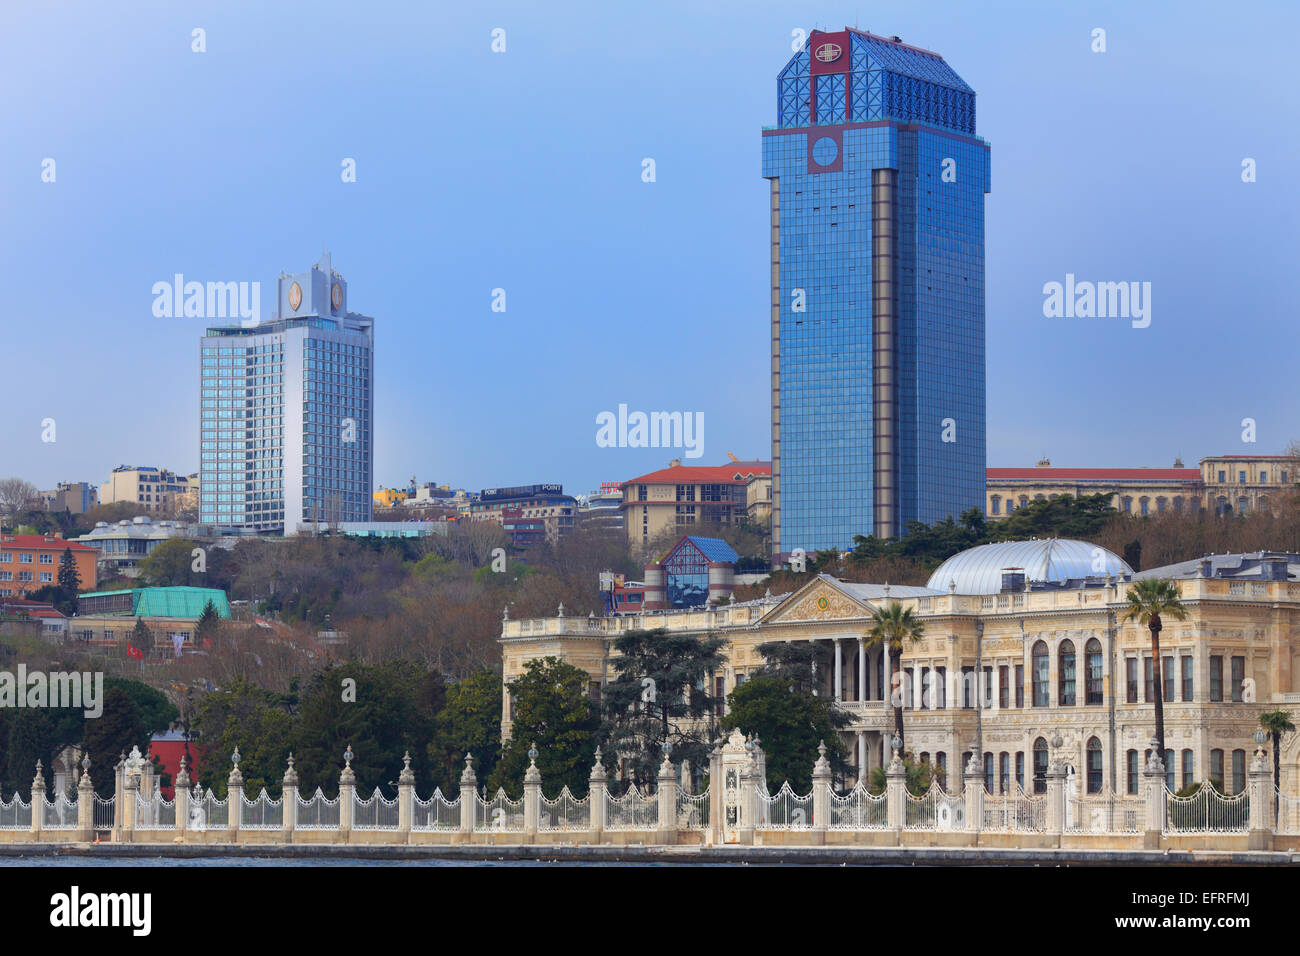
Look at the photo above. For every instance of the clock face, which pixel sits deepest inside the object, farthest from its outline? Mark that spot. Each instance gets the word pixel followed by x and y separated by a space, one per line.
pixel 295 296
pixel 336 296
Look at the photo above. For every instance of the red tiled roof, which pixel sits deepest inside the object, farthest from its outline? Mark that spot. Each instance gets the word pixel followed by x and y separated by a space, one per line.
pixel 38 542
pixel 711 474
pixel 1093 474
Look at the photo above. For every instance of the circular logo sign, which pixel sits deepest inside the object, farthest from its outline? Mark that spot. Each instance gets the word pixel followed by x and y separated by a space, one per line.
pixel 823 603
pixel 336 296
pixel 828 52
pixel 295 296
pixel 824 151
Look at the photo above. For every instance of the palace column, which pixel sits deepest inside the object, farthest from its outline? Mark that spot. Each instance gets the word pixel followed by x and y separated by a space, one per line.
pixel 839 671
pixel 862 672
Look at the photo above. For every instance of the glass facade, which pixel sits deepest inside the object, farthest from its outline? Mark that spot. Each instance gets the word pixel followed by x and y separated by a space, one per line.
pixel 878 188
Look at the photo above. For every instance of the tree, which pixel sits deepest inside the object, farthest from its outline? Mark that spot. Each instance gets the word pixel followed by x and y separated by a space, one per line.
pixel 255 721
pixel 1148 600
pixel 918 778
pixel 113 733
pixel 69 576
pixel 206 627
pixel 790 723
pixel 552 710
pixel 661 693
pixel 17 496
pixel 470 722
pixel 895 626
pixel 381 711
pixel 170 564
pixel 1278 724
pixel 141 637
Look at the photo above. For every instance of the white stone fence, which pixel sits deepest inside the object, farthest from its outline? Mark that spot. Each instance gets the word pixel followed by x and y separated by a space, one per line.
pixel 735 808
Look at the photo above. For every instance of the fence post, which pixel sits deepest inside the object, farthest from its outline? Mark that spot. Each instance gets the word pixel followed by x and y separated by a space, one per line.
pixel 1260 795
pixel 667 801
pixel 347 791
pixel 181 797
pixel 896 793
pixel 821 794
pixel 234 798
pixel 973 781
pixel 468 786
pixel 532 797
pixel 85 803
pixel 597 785
pixel 38 803
pixel 749 812
pixel 1153 783
pixel 405 799
pixel 716 793
pixel 1055 800
pixel 119 795
pixel 289 802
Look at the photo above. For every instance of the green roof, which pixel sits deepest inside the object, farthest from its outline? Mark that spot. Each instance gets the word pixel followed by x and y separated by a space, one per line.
pixel 183 602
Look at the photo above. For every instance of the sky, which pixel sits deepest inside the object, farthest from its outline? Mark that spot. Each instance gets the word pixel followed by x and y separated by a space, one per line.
pixel 522 170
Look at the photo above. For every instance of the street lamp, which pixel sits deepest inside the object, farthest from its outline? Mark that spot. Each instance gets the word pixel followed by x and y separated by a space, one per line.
pixel 532 753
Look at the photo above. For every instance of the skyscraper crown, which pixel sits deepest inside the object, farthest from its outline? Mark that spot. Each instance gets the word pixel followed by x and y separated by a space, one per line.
pixel 856 77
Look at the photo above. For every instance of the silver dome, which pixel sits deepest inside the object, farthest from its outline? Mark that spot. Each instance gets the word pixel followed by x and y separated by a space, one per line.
pixel 979 570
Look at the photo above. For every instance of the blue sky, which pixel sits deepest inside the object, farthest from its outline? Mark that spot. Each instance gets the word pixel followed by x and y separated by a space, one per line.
pixel 522 170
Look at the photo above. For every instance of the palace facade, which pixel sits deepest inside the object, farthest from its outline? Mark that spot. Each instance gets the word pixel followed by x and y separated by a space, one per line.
pixel 1024 642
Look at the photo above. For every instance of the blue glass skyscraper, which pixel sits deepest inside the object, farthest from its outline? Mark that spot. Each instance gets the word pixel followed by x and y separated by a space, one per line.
pixel 877 204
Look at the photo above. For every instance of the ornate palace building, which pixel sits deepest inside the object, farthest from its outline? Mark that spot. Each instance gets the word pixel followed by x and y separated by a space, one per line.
pixel 1023 641
pixel 1224 484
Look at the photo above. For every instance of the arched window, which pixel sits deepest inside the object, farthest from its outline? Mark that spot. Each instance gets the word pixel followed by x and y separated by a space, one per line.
pixel 1160 506
pixel 1126 505
pixel 1040 765
pixel 1221 506
pixel 1189 768
pixel 1238 771
pixel 1040 675
pixel 1142 505
pixel 1004 772
pixel 1178 506
pixel 1065 674
pixel 1094 765
pixel 1132 763
pixel 1024 500
pixel 995 504
pixel 1242 506
pixel 1092 651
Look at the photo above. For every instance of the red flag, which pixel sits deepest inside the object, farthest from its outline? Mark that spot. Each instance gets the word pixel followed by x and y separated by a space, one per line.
pixel 133 651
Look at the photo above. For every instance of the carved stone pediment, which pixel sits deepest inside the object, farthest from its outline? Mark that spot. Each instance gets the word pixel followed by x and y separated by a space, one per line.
pixel 821 601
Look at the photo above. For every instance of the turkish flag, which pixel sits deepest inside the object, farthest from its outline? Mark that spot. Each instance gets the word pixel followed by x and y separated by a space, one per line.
pixel 133 651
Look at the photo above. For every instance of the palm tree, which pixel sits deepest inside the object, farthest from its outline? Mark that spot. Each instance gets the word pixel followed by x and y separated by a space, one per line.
pixel 1277 723
pixel 894 626
pixel 1147 601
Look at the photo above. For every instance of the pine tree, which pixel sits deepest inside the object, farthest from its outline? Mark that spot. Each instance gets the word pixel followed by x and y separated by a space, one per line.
pixel 141 637
pixel 69 576
pixel 207 624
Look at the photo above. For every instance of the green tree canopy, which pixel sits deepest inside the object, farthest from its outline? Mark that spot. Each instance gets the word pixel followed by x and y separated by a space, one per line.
pixel 661 692
pixel 790 723
pixel 470 722
pixel 553 710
